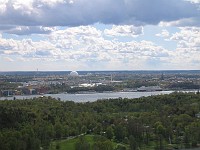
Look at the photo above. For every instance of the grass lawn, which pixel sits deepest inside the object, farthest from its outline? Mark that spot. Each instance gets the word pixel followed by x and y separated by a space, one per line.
pixel 69 144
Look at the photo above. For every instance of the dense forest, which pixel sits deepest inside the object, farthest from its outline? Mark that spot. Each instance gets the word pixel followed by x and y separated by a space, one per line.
pixel 160 122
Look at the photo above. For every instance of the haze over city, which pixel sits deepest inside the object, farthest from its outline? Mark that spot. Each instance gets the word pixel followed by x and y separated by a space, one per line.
pixel 99 35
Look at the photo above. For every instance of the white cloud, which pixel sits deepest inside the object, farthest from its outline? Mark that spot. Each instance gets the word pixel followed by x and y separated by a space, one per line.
pixel 84 12
pixel 164 33
pixel 187 53
pixel 86 47
pixel 194 1
pixel 125 30
pixel 188 37
pixel 193 21
pixel 27 30
pixel 3 6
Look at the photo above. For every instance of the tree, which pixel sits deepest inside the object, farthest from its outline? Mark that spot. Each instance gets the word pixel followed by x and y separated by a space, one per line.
pixel 133 143
pixel 58 130
pixel 160 132
pixel 83 129
pixel 109 132
pixel 98 128
pixel 119 132
pixel 120 147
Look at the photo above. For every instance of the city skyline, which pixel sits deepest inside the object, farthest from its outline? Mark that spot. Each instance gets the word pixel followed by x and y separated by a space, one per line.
pixel 61 35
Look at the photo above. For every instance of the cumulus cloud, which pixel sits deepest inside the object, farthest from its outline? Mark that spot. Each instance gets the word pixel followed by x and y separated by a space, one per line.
pixel 87 47
pixel 188 47
pixel 193 21
pixel 85 12
pixel 84 44
pixel 126 30
pixel 164 33
pixel 187 38
pixel 26 30
pixel 27 48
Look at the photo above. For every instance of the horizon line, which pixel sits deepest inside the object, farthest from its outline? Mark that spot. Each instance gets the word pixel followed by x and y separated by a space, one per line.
pixel 101 70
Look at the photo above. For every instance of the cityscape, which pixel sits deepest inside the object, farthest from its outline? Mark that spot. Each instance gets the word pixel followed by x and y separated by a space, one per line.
pixel 39 83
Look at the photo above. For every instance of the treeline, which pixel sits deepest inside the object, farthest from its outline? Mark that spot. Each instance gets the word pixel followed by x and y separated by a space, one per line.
pixel 8 89
pixel 160 122
pixel 184 85
pixel 139 83
pixel 170 85
pixel 68 89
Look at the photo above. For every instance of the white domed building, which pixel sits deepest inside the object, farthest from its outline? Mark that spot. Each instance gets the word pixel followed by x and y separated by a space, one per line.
pixel 73 74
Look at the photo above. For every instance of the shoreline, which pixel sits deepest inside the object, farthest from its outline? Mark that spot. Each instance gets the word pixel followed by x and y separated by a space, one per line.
pixel 84 97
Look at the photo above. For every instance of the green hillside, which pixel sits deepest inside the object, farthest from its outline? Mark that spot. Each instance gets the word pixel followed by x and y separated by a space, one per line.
pixel 155 122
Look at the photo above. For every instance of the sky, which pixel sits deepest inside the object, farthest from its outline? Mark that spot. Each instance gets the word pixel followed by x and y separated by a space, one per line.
pixel 62 35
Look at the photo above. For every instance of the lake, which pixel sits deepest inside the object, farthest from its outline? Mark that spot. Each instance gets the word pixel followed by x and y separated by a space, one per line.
pixel 92 96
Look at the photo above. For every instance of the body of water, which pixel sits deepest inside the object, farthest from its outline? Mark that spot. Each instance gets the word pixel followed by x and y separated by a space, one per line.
pixel 93 96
